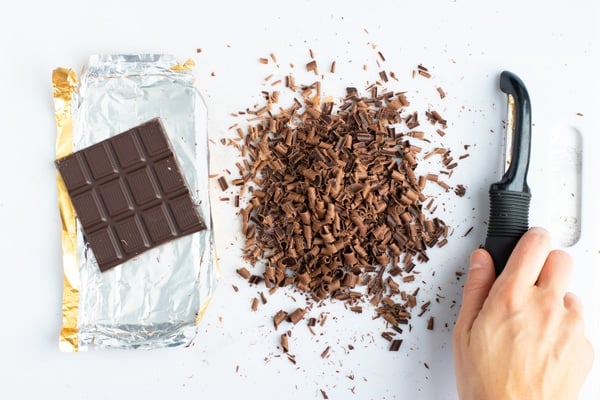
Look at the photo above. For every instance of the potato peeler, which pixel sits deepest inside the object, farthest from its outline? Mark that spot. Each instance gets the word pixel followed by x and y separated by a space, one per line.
pixel 510 197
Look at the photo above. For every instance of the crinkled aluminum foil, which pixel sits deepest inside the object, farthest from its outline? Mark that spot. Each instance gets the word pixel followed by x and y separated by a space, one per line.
pixel 156 299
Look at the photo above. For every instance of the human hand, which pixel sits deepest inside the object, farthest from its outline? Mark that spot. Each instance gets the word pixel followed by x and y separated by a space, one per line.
pixel 521 336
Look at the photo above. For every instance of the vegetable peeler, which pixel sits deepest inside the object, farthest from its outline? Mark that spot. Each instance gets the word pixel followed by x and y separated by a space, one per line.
pixel 510 197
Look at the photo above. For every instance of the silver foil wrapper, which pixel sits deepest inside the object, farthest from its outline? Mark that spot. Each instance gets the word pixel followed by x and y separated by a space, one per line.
pixel 156 299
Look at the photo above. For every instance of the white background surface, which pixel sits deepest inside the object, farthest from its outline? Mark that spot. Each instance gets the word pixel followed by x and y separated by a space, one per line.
pixel 551 45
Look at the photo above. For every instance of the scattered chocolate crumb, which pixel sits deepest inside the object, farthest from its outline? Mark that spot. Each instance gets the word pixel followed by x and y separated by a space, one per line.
pixel 468 231
pixel 312 66
pixel 235 288
pixel 423 71
pixel 332 69
pixel 441 92
pixel 284 342
pixel 324 394
pixel 460 190
pixel 395 345
pixel 223 183
pixel 198 50
pixel 263 60
pixel 272 55
pixel 263 299
pixel 325 352
pixel 254 306
pixel 426 366
pixel 430 323
pixel 243 272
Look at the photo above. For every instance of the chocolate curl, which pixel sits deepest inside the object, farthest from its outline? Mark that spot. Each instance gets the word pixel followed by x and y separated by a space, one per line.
pixel 312 197
pixel 327 236
pixel 329 249
pixel 338 273
pixel 278 318
pixel 349 256
pixel 394 249
pixel 358 222
pixel 320 209
pixel 307 232
pixel 360 250
pixel 333 286
pixel 337 225
pixel 350 280
pixel 337 185
pixel 296 316
pixel 412 195
pixel 304 216
pixel 406 217
pixel 269 276
pixel 320 293
pixel 336 263
pixel 299 244
pixel 383 259
pixel 309 174
pixel 303 278
pixel 330 213
pixel 429 226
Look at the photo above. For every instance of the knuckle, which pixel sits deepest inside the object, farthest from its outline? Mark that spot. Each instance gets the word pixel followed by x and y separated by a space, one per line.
pixel 509 297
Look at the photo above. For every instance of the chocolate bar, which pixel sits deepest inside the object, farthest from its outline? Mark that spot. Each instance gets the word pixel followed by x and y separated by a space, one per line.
pixel 129 194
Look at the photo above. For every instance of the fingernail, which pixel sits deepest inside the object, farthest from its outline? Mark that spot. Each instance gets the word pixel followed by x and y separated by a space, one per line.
pixel 478 259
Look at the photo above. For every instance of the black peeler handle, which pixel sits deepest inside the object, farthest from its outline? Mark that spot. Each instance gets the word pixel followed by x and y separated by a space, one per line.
pixel 509 220
pixel 510 197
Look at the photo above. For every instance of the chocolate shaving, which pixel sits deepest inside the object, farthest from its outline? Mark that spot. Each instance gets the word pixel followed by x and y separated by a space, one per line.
pixel 441 92
pixel 460 190
pixel 223 183
pixel 468 231
pixel 278 318
pixel 395 345
pixel 243 272
pixel 423 71
pixel 284 342
pixel 296 316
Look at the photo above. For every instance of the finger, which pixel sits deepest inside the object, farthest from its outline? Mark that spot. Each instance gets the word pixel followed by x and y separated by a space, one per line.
pixel 556 272
pixel 477 286
pixel 527 259
pixel 572 303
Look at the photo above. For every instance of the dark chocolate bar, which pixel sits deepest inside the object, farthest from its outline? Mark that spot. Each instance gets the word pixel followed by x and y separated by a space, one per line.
pixel 129 194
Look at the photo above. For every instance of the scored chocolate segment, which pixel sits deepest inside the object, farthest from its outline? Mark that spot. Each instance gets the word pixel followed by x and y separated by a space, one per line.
pixel 129 194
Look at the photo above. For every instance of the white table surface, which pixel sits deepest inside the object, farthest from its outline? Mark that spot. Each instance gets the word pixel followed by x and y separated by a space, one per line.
pixel 552 45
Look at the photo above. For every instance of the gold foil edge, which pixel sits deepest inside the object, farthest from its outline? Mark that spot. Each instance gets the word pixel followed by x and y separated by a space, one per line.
pixel 204 306
pixel 186 66
pixel 64 82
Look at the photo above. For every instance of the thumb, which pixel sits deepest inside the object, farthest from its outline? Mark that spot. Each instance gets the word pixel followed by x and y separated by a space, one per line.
pixel 477 286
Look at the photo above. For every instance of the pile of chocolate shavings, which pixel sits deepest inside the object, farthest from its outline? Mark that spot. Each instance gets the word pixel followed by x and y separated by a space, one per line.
pixel 334 206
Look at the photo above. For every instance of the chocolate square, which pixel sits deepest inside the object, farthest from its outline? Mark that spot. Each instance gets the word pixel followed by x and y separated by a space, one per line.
pixel 129 194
